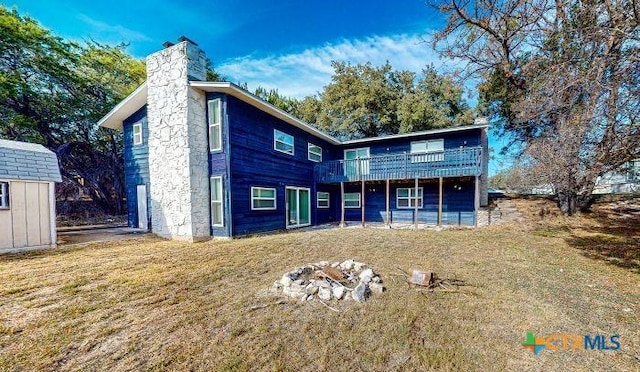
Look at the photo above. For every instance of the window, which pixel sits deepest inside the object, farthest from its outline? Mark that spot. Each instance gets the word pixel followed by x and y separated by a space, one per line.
pixel 4 195
pixel 352 200
pixel 315 153
pixel 215 133
pixel 137 134
pixel 322 199
pixel 424 151
pixel 217 216
pixel 263 198
pixel 406 198
pixel 282 142
pixel 357 162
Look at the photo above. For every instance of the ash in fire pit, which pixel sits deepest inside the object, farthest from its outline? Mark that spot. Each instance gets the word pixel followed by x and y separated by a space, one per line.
pixel 330 280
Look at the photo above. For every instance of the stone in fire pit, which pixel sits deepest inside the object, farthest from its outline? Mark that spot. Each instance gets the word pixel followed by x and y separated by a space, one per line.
pixel 326 280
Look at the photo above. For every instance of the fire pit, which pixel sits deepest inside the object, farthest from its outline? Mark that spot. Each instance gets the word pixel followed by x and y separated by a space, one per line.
pixel 324 280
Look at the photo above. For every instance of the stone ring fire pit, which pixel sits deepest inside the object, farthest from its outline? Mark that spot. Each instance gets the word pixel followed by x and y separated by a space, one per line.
pixel 326 280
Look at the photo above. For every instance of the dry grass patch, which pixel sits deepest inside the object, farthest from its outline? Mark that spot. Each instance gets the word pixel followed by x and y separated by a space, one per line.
pixel 611 232
pixel 154 304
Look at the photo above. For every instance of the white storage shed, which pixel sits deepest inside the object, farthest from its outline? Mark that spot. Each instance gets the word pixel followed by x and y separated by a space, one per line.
pixel 28 173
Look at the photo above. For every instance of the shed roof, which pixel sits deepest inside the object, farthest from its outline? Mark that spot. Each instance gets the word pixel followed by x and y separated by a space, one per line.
pixel 28 161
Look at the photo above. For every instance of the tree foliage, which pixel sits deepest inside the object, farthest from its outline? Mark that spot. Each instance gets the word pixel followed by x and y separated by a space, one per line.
pixel 54 91
pixel 272 96
pixel 560 76
pixel 367 101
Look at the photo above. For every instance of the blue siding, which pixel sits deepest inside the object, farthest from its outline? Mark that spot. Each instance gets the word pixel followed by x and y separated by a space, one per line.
pixel 327 215
pixel 457 202
pixel 254 162
pixel 452 140
pixel 136 164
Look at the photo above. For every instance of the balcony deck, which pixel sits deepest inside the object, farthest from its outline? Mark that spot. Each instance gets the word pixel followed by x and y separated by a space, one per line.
pixel 466 161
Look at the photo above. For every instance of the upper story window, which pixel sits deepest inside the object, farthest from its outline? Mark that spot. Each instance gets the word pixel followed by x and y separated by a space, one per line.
pixel 215 125
pixel 429 150
pixel 315 153
pixel 4 195
pixel 137 133
pixel 282 142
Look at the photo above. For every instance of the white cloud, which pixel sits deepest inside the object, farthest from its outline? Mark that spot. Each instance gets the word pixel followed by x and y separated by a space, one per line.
pixel 108 32
pixel 308 71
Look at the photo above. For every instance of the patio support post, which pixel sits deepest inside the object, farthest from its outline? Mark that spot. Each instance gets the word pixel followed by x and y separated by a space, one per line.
pixel 476 200
pixel 415 217
pixel 362 204
pixel 388 218
pixel 342 204
pixel 440 201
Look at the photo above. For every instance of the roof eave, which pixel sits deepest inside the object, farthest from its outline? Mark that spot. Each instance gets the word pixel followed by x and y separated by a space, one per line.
pixel 127 107
pixel 236 91
pixel 416 134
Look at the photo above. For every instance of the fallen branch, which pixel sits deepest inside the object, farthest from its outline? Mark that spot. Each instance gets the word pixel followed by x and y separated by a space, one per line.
pixel 330 308
pixel 258 307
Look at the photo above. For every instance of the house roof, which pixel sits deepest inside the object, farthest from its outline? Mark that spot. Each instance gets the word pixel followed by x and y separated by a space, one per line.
pixel 138 99
pixel 28 161
pixel 243 95
pixel 415 134
pixel 127 107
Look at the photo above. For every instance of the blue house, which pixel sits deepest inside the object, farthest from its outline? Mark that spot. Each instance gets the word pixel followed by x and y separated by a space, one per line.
pixel 207 159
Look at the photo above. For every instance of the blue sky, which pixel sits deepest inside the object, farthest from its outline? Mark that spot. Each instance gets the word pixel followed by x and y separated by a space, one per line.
pixel 283 44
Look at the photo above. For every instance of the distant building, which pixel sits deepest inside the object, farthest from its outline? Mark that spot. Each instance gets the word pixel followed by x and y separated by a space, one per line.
pixel 626 180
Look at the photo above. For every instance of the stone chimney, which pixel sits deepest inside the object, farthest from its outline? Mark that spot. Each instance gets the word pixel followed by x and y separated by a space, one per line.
pixel 178 149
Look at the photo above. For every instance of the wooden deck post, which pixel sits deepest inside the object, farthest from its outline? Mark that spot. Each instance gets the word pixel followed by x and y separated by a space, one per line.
pixel 415 217
pixel 362 203
pixel 476 201
pixel 388 218
pixel 342 204
pixel 440 201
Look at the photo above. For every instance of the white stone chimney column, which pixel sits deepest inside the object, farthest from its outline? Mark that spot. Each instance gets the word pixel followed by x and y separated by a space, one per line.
pixel 178 149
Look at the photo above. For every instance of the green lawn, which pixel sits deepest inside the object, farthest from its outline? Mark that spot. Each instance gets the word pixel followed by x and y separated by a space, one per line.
pixel 154 304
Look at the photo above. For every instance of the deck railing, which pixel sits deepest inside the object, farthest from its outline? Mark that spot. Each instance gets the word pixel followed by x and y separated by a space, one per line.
pixel 465 161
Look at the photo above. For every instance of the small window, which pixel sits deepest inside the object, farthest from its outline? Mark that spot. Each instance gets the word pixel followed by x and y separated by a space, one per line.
pixel 322 199
pixel 263 198
pixel 137 134
pixel 282 142
pixel 217 216
pixel 315 153
pixel 215 132
pixel 425 151
pixel 406 198
pixel 352 200
pixel 4 195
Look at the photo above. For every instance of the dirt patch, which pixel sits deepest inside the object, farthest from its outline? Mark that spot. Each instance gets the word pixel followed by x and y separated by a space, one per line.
pixel 98 235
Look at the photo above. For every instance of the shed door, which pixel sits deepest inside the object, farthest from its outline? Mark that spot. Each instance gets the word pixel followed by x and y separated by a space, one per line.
pixel 143 219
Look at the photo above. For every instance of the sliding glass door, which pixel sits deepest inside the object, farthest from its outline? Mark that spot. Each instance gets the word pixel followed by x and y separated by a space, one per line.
pixel 298 207
pixel 356 162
